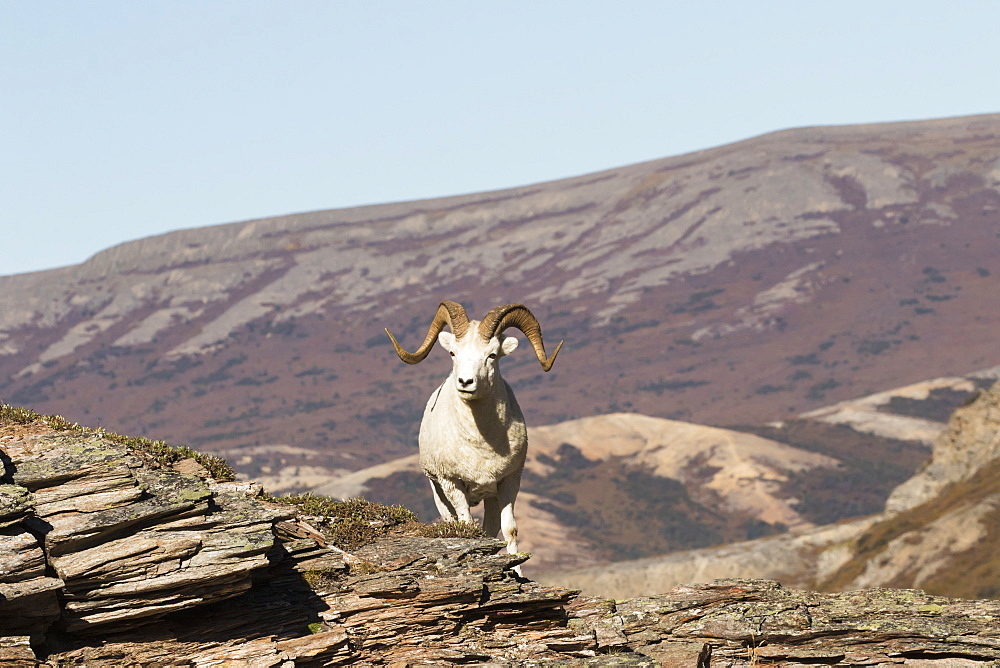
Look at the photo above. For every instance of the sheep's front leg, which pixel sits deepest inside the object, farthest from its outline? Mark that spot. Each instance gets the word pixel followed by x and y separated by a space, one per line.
pixel 506 494
pixel 450 500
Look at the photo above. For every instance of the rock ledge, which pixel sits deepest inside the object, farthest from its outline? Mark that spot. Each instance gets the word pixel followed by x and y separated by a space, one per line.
pixel 106 558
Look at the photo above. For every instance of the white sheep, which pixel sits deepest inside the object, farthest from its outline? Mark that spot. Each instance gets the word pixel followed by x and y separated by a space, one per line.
pixel 473 439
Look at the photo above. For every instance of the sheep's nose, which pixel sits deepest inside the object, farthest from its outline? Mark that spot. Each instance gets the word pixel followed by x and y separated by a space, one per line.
pixel 465 382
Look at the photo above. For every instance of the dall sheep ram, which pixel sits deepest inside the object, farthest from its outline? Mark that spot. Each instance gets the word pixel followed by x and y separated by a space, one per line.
pixel 473 440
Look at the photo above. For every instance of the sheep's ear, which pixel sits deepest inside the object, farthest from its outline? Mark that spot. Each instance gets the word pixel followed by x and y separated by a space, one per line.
pixel 508 345
pixel 447 340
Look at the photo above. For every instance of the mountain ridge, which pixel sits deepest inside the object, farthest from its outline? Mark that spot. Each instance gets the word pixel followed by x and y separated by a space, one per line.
pixel 108 257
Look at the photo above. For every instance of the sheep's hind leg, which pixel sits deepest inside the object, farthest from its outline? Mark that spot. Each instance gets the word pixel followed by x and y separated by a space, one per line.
pixel 450 500
pixel 491 516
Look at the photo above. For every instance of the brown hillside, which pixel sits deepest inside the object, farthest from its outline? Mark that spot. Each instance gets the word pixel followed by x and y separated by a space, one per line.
pixel 737 285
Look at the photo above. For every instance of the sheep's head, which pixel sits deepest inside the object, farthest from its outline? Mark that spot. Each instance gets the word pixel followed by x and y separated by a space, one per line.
pixel 476 350
pixel 475 361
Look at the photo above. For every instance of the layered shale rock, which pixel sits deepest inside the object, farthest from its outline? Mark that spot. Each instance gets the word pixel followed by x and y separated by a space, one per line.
pixel 128 542
pixel 27 595
pixel 109 558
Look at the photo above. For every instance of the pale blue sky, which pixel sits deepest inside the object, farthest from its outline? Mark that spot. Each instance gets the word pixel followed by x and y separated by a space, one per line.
pixel 123 119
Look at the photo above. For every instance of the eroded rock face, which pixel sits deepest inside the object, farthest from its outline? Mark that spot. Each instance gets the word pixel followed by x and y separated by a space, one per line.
pixel 108 559
pixel 971 440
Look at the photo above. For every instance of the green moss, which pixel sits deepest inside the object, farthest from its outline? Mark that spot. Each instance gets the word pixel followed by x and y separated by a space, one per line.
pixel 192 495
pixel 158 450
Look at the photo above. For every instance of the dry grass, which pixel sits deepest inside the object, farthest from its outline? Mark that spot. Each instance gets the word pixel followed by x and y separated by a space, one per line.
pixel 454 529
pixel 348 524
pixel 352 523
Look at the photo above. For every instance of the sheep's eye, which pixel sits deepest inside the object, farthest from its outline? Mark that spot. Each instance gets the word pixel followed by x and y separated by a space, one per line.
pixel 451 353
pixel 492 356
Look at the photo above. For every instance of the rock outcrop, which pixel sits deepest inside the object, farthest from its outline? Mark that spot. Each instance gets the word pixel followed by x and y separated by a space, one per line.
pixel 127 542
pixel 971 439
pixel 111 557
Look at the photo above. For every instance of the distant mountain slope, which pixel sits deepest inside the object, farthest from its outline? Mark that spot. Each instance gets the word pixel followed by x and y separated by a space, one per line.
pixel 938 530
pixel 737 285
pixel 620 486
pixel 624 484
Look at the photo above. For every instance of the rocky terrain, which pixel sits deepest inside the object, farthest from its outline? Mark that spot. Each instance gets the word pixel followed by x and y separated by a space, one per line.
pixel 127 552
pixel 938 531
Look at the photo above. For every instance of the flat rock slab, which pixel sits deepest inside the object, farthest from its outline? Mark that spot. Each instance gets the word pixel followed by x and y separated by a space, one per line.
pixel 749 622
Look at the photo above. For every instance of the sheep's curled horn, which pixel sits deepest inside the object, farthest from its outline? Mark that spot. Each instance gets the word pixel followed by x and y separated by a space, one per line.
pixel 497 320
pixel 518 315
pixel 448 313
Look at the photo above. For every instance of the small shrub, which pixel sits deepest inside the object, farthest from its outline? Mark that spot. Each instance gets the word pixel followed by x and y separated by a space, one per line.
pixel 811 358
pixel 819 390
pixel 662 385
pixel 874 346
